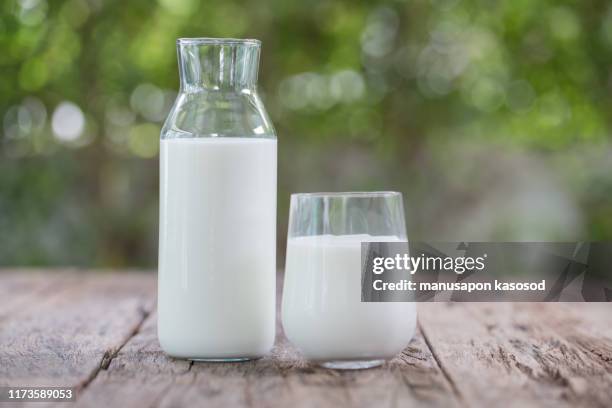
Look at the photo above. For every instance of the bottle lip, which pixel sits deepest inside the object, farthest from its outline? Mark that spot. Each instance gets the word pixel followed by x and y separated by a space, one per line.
pixel 218 41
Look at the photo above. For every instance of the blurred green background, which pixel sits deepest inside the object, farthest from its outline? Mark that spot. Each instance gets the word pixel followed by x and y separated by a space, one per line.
pixel 492 117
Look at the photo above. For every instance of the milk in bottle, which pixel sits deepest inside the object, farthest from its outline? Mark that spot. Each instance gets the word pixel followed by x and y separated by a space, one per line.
pixel 217 232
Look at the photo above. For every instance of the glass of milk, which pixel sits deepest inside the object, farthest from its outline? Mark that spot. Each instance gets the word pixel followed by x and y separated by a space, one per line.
pixel 217 222
pixel 322 312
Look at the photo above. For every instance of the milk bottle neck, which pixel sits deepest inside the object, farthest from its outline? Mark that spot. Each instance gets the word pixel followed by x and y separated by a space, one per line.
pixel 210 64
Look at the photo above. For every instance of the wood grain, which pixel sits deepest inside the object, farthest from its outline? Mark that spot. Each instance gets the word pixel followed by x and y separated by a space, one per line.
pixel 22 288
pixel 64 338
pixel 139 375
pixel 519 354
pixel 97 332
pixel 278 380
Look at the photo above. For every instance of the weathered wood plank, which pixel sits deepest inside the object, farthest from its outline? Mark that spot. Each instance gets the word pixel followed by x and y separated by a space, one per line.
pixel 574 348
pixel 87 331
pixel 516 354
pixel 22 288
pixel 412 378
pixel 141 374
pixel 65 338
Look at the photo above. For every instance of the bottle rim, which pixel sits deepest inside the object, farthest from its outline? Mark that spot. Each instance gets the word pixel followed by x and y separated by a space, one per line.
pixel 218 41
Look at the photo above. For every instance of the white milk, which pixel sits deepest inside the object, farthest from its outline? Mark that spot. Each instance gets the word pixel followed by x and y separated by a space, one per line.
pixel 322 310
pixel 217 248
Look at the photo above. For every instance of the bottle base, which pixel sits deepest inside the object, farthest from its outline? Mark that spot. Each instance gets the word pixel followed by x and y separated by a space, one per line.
pixel 351 364
pixel 222 360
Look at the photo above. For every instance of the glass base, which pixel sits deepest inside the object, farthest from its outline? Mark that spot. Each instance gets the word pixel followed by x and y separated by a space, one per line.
pixel 351 364
pixel 223 360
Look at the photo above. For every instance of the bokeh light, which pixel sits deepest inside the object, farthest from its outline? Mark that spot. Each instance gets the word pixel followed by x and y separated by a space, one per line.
pixel 143 140
pixel 68 122
pixel 466 107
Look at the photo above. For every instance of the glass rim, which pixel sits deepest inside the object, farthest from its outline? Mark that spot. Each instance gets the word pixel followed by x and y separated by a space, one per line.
pixel 218 41
pixel 348 194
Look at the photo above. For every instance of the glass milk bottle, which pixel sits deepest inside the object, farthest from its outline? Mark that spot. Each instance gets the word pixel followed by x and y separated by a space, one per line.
pixel 217 223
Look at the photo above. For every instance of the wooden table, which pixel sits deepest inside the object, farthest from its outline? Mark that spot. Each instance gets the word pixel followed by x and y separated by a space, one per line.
pixel 96 331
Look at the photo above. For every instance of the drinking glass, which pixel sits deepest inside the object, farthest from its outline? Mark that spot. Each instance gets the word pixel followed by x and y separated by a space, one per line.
pixel 322 311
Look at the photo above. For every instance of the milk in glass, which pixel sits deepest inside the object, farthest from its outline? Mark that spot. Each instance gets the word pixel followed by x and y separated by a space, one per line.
pixel 322 310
